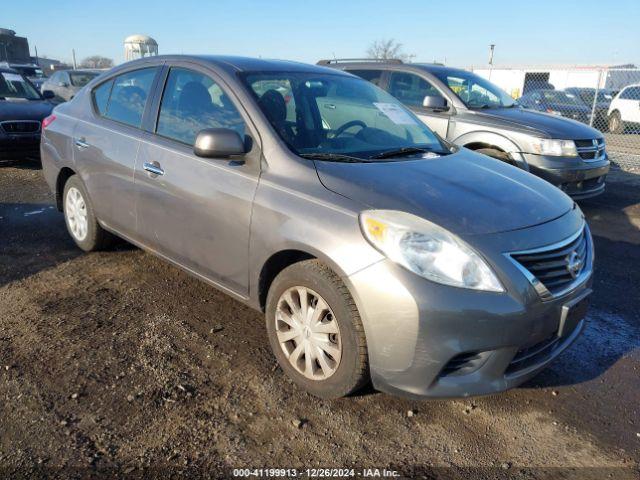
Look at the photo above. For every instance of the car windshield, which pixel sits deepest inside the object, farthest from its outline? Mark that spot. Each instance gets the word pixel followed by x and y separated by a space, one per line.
pixel 13 85
pixel 80 79
pixel 475 91
pixel 558 97
pixel 340 118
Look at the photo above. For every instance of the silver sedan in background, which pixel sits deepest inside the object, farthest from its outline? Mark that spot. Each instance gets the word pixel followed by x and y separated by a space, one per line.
pixel 66 83
pixel 377 251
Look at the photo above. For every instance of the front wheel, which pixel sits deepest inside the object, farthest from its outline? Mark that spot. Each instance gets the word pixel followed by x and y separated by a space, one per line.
pixel 315 330
pixel 81 222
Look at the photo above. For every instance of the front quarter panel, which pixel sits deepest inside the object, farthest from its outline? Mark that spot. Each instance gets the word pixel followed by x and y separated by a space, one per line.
pixel 298 213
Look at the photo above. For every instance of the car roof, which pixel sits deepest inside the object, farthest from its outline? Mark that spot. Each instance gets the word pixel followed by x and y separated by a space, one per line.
pixel 235 64
pixel 392 65
pixel 82 70
pixel 436 68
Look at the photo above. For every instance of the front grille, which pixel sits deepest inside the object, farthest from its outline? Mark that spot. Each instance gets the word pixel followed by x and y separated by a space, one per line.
pixel 20 126
pixel 591 150
pixel 558 266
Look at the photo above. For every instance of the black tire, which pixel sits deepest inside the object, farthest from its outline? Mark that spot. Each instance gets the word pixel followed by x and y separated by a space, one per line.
pixel 352 372
pixel 497 154
pixel 96 237
pixel 616 125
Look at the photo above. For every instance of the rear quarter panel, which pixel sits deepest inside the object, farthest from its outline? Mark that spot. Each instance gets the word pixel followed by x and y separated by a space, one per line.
pixel 56 145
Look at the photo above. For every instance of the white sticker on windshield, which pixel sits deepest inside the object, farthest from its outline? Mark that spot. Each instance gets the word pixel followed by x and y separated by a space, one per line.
pixel 396 113
pixel 12 77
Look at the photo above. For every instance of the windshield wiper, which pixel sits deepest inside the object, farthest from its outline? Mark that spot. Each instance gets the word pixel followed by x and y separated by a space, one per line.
pixel 398 152
pixel 333 157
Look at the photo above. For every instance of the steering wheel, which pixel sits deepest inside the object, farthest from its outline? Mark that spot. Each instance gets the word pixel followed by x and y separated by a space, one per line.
pixel 347 126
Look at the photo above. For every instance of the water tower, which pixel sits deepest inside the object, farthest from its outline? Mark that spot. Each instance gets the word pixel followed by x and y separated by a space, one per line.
pixel 138 46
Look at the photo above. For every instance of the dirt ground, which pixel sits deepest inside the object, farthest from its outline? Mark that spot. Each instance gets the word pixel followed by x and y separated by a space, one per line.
pixel 116 364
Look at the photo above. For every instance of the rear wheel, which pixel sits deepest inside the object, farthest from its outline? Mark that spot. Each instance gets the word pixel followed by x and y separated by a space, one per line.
pixel 81 222
pixel 616 125
pixel 315 330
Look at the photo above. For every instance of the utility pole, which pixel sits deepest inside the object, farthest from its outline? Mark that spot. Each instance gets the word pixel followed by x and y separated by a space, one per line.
pixel 35 47
pixel 491 48
pixel 75 65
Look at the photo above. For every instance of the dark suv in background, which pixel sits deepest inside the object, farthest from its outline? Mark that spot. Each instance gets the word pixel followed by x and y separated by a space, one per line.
pixel 22 111
pixel 474 113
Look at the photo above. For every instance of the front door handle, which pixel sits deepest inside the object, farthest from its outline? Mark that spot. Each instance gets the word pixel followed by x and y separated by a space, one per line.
pixel 81 143
pixel 153 168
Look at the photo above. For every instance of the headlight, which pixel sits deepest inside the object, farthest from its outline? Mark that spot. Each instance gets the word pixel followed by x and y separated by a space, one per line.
pixel 427 250
pixel 554 148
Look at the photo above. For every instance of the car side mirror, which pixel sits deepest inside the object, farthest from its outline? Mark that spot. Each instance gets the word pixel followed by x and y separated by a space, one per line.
pixel 435 103
pixel 218 143
pixel 48 94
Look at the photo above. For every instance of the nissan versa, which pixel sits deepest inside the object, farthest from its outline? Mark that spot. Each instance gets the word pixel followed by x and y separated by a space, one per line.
pixel 474 113
pixel 377 251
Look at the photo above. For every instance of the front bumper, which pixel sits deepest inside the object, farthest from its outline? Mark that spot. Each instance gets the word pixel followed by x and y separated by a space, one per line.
pixel 418 331
pixel 19 146
pixel 575 177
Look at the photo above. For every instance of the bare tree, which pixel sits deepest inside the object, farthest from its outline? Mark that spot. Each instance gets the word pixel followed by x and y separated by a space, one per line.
pixel 96 61
pixel 387 49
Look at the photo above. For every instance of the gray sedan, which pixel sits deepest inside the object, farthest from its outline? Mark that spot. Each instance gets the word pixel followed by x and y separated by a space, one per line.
pixel 66 83
pixel 377 251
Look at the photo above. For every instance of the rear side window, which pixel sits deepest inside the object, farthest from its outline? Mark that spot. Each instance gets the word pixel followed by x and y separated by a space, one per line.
pixel 101 96
pixel 373 76
pixel 631 93
pixel 127 96
pixel 192 102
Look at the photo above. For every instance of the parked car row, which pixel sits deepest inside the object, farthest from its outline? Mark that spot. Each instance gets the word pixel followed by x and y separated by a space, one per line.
pixel 378 247
pixel 472 112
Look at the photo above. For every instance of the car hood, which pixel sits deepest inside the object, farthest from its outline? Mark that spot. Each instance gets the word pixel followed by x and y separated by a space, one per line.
pixel 531 121
pixel 466 193
pixel 24 109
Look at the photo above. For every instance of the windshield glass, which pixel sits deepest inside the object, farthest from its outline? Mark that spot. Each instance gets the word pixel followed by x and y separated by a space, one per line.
pixel 475 91
pixel 80 79
pixel 30 71
pixel 13 85
pixel 558 97
pixel 327 115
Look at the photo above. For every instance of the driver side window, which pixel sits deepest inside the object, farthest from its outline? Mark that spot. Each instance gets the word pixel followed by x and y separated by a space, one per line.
pixel 411 89
pixel 192 102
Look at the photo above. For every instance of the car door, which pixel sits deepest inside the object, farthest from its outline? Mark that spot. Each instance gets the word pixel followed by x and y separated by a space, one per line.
pixel 411 89
pixel 53 85
pixel 106 144
pixel 197 211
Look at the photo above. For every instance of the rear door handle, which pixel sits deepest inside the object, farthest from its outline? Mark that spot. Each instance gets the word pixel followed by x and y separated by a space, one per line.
pixel 153 168
pixel 81 143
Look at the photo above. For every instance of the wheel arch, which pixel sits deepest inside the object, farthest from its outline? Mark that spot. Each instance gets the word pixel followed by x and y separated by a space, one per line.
pixel 64 175
pixel 284 257
pixel 485 139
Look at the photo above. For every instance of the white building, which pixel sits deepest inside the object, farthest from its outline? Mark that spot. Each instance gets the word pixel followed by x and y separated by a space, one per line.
pixel 138 46
pixel 518 80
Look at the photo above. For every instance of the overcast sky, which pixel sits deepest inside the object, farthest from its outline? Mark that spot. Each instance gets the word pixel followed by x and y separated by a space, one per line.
pixel 458 31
